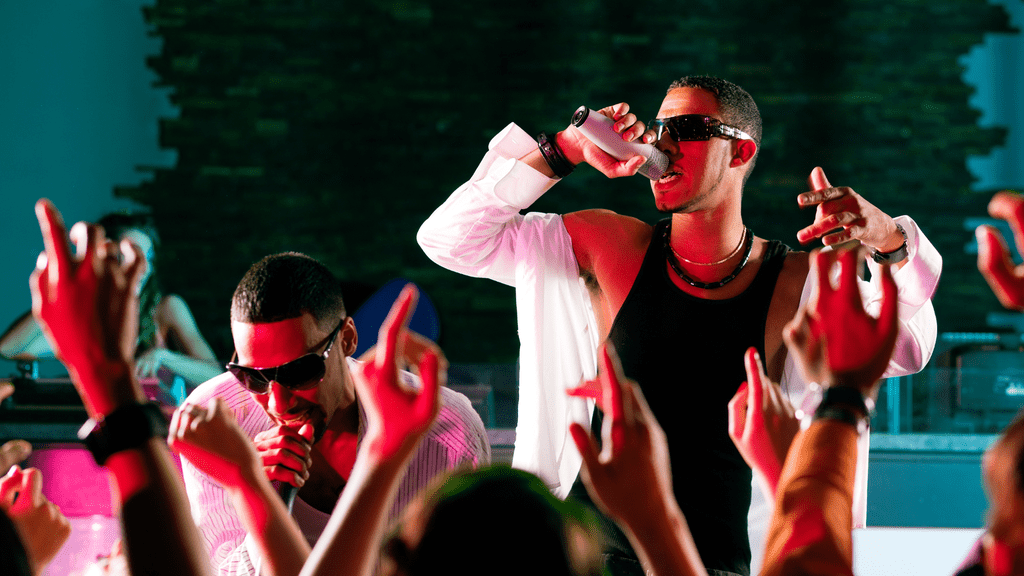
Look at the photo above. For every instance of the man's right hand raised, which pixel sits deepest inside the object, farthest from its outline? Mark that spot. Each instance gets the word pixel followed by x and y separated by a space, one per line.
pixel 286 453
pixel 578 149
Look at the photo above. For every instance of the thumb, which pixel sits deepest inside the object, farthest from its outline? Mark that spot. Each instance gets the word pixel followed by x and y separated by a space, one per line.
pixel 818 181
pixel 306 431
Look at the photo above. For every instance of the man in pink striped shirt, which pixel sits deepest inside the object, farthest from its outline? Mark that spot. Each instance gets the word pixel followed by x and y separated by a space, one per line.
pixel 291 389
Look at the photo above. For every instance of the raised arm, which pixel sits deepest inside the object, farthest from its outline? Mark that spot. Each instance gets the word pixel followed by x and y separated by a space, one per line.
pixel 210 438
pixel 397 420
pixel 476 231
pixel 86 306
pixel 762 423
pixel 842 214
pixel 840 345
pixel 1004 277
pixel 631 479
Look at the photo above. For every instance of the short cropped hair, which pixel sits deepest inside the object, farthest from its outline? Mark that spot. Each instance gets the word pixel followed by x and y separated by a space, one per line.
pixel 734 103
pixel 286 285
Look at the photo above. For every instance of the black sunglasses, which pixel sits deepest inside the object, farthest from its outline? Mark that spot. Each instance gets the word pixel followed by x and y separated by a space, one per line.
pixel 690 127
pixel 303 373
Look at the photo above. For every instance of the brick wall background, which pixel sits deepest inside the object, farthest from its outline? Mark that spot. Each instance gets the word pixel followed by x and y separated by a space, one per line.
pixel 335 128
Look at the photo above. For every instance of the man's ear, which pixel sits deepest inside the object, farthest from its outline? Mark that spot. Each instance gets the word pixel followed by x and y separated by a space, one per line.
pixel 743 151
pixel 349 337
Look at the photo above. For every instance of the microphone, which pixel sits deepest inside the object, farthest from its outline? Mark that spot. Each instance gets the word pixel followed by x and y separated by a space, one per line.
pixel 286 491
pixel 598 129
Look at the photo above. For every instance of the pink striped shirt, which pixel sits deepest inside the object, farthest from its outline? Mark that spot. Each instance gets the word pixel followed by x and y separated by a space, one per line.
pixel 456 438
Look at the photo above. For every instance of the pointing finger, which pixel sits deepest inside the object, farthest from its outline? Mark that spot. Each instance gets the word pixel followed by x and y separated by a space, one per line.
pixel 58 255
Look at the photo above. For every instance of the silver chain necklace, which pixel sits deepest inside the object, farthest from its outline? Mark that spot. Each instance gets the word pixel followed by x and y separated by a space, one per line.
pixel 670 254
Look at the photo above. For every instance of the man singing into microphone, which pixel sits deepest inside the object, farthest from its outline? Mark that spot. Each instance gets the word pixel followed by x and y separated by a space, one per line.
pixel 291 389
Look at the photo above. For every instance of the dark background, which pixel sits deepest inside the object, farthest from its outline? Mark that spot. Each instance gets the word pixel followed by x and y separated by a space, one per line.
pixel 335 128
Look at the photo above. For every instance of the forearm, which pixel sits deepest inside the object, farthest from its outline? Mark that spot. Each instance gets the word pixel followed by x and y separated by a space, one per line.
pixel 664 544
pixel 810 530
pixel 474 232
pixel 24 340
pixel 350 544
pixel 194 370
pixel 277 536
pixel 159 535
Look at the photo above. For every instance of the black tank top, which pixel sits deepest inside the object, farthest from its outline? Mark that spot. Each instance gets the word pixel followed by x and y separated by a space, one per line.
pixel 686 353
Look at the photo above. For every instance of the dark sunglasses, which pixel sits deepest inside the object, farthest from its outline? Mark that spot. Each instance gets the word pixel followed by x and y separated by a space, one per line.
pixel 690 127
pixel 303 373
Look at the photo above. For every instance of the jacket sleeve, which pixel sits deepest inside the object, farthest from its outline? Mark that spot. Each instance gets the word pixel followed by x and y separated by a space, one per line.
pixel 475 231
pixel 916 282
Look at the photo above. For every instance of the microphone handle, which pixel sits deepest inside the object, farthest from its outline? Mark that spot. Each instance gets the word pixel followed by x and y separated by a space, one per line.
pixel 598 129
pixel 287 493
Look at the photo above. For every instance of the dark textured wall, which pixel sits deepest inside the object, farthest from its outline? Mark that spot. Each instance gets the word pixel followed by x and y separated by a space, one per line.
pixel 334 128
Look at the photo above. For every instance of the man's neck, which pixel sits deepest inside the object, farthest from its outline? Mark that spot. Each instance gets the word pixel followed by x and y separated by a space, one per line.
pixel 707 235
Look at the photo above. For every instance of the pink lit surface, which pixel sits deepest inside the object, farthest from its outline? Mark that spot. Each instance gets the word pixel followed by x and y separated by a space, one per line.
pixel 72 480
pixel 91 538
pixel 80 488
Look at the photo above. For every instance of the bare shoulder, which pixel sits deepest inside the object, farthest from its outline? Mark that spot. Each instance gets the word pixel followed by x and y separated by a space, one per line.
pixel 604 221
pixel 173 311
pixel 596 233
pixel 795 268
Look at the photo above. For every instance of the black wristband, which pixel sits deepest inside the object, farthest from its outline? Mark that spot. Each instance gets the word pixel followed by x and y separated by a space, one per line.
pixel 554 156
pixel 844 414
pixel 127 427
pixel 847 396
pixel 845 404
pixel 896 255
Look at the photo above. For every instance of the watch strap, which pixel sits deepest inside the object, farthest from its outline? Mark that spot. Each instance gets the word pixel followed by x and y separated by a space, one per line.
pixel 846 404
pixel 896 255
pixel 129 426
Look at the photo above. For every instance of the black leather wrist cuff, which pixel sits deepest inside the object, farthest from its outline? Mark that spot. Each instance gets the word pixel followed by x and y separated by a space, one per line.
pixel 844 414
pixel 847 396
pixel 130 426
pixel 846 404
pixel 554 156
pixel 896 255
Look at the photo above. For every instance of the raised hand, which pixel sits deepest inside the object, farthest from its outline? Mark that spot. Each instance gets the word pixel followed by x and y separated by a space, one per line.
pixel 397 416
pixel 210 438
pixel 841 207
pixel 286 453
pixel 578 148
pixel 1004 277
pixel 86 306
pixel 41 526
pixel 762 422
pixel 630 477
pixel 834 340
